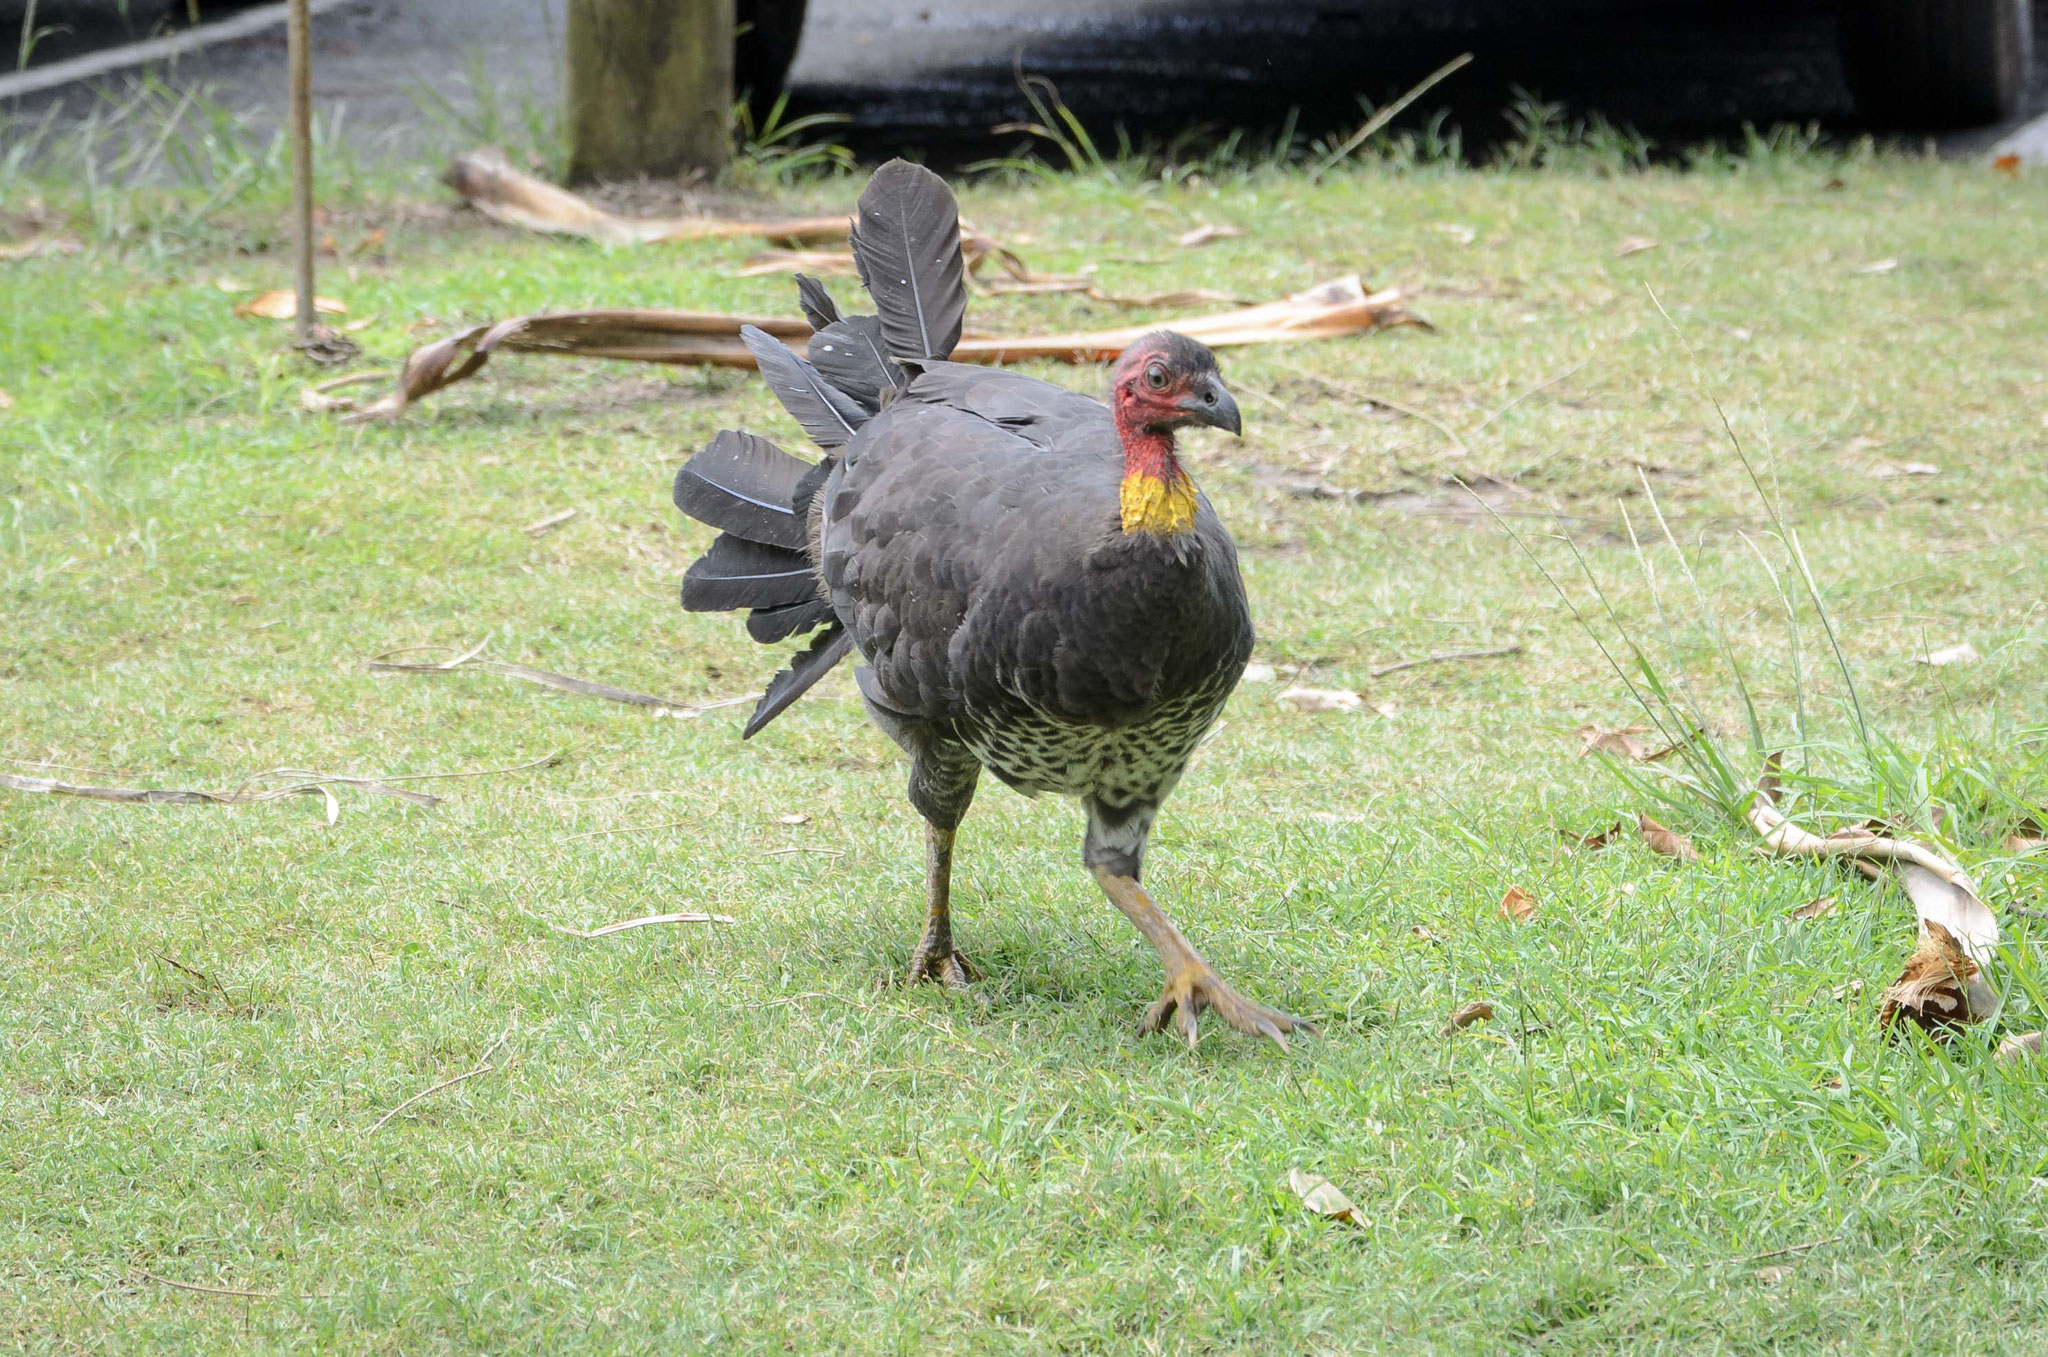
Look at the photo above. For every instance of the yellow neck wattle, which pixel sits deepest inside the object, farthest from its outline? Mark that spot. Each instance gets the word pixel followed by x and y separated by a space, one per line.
pixel 1162 506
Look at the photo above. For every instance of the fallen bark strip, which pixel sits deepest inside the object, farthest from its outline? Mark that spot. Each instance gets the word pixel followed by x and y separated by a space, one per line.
pixel 316 786
pixel 490 184
pixel 1950 899
pixel 546 678
pixel 209 1290
pixel 642 922
pixel 483 1066
pixel 1340 306
pixel 1451 658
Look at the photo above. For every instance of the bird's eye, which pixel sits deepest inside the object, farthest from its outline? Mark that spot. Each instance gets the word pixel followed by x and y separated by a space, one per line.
pixel 1156 378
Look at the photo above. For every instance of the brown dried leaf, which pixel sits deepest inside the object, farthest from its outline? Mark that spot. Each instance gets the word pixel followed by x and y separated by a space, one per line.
pixel 1815 909
pixel 1518 905
pixel 817 263
pixel 1476 1011
pixel 1665 842
pixel 1622 743
pixel 283 304
pixel 1886 471
pixel 1206 234
pixel 493 187
pixel 1939 990
pixel 1323 1197
pixel 2007 165
pixel 1768 783
pixel 1592 843
pixel 2023 843
pixel 795 817
pixel 1634 245
pixel 2019 1046
pixel 1423 933
pixel 1339 307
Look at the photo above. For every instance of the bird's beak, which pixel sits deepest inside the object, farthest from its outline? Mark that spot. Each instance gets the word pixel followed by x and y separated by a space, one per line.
pixel 1209 403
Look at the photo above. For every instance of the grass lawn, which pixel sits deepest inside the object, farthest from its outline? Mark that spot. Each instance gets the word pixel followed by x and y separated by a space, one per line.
pixel 1679 1130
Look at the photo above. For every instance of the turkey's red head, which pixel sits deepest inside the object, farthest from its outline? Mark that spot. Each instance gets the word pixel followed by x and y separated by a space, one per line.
pixel 1168 381
pixel 1161 383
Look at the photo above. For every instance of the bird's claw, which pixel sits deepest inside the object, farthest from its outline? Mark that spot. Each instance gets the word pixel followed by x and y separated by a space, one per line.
pixel 930 964
pixel 1196 988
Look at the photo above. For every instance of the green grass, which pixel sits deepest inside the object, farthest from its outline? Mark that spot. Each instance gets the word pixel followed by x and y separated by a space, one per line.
pixel 744 1137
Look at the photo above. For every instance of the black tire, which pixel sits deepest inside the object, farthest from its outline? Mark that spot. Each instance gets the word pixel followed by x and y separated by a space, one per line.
pixel 761 54
pixel 1938 63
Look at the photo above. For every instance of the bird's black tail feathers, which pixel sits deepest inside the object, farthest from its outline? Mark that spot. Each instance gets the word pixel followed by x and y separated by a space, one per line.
pixel 906 243
pixel 759 497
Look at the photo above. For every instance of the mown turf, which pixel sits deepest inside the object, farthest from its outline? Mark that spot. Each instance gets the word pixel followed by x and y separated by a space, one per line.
pixel 1674 1134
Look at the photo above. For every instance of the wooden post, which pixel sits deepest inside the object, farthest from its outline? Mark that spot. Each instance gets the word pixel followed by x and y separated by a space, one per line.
pixel 649 86
pixel 299 55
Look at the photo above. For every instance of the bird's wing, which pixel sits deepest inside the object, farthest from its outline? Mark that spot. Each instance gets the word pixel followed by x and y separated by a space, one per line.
pixel 1044 415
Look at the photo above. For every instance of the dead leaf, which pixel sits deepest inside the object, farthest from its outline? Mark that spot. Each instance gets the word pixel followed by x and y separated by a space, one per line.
pixel 2023 843
pixel 1323 1197
pixel 1887 471
pixel 2019 1046
pixel 370 243
pixel 817 263
pixel 1634 245
pixel 1960 653
pixel 1665 842
pixel 1386 711
pixel 553 520
pixel 1880 266
pixel 6 401
pixel 1939 990
pixel 1622 743
pixel 1815 909
pixel 230 285
pixel 1476 1011
pixel 1322 699
pixel 1341 306
pixel 281 304
pixel 1260 672
pixel 356 327
pixel 493 187
pixel 795 817
pixel 1206 234
pixel 1518 905
pixel 2007 165
pixel 1457 231
pixel 1423 933
pixel 1843 993
pixel 1593 842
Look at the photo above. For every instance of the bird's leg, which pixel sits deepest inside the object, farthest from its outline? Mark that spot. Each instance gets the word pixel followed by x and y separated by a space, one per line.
pixel 1191 983
pixel 935 958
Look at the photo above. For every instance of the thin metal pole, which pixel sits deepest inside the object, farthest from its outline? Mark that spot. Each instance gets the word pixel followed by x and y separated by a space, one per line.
pixel 299 45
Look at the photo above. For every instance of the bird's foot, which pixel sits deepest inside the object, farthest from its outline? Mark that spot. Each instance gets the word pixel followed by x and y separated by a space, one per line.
pixel 1196 987
pixel 939 963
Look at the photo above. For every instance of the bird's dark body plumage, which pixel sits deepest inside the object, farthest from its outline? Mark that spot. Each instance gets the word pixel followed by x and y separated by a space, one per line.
pixel 970 542
pixel 1032 584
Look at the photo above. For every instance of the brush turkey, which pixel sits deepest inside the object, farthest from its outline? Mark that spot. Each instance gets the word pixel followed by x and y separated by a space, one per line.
pixel 1031 581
